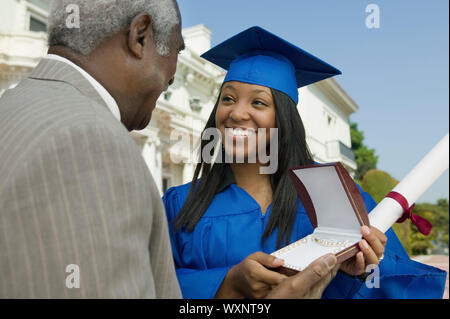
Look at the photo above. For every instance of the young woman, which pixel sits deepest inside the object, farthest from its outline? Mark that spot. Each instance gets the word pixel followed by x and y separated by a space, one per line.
pixel 226 222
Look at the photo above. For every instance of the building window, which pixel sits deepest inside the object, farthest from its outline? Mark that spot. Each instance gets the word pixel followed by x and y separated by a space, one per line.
pixel 37 25
pixel 329 120
pixel 195 104
pixel 167 95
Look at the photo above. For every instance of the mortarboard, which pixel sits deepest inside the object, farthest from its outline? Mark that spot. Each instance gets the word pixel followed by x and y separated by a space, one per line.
pixel 257 56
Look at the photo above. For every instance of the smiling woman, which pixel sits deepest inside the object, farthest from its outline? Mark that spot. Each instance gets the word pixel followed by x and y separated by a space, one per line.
pixel 231 216
pixel 238 112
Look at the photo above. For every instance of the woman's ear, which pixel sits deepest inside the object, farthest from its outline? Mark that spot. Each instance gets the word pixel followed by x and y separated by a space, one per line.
pixel 140 34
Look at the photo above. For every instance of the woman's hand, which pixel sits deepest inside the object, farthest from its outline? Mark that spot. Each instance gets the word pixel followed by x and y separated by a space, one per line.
pixel 372 250
pixel 251 278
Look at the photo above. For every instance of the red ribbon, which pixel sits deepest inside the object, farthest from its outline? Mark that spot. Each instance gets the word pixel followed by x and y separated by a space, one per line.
pixel 423 225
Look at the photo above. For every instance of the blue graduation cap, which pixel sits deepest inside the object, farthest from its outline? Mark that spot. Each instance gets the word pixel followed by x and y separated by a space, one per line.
pixel 256 56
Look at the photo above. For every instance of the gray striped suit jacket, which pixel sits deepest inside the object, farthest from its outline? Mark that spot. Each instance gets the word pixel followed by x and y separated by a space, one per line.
pixel 80 214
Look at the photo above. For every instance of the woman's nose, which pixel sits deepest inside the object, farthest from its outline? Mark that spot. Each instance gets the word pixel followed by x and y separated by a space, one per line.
pixel 240 112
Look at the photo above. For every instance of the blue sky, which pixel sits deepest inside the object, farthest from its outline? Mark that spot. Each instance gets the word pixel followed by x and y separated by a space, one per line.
pixel 398 74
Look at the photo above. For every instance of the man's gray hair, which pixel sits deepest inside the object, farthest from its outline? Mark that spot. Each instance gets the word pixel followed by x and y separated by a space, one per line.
pixel 100 19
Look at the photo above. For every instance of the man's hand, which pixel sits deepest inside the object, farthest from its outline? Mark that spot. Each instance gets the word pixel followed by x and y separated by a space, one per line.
pixel 251 278
pixel 309 283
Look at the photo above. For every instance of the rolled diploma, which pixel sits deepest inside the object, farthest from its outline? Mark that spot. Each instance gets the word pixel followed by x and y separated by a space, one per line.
pixel 423 175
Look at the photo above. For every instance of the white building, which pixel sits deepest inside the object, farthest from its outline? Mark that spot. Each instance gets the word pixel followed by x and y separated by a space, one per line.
pixel 23 41
pixel 182 111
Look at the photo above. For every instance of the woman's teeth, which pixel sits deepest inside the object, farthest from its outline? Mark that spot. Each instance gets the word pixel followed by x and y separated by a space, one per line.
pixel 240 132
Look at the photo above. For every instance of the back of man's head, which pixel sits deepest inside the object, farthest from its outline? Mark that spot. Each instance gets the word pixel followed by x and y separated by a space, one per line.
pixel 100 19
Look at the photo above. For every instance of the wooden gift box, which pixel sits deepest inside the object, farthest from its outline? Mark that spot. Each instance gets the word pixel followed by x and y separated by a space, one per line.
pixel 336 210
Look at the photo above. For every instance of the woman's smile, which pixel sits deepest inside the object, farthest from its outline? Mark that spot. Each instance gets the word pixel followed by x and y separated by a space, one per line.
pixel 239 133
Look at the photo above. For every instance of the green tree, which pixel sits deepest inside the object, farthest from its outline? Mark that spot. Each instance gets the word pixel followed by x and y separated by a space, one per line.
pixel 365 158
pixel 378 184
pixel 419 244
pixel 356 136
pixel 437 215
pixel 442 220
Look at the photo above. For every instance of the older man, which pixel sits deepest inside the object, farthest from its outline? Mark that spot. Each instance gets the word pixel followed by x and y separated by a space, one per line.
pixel 80 215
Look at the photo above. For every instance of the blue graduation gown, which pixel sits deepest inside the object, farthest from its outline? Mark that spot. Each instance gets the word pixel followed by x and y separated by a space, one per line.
pixel 232 228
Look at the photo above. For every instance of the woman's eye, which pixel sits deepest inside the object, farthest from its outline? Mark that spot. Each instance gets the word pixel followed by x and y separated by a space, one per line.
pixel 227 99
pixel 259 103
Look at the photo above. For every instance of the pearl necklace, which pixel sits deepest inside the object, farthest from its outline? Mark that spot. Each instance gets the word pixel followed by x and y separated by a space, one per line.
pixel 340 245
pixel 326 243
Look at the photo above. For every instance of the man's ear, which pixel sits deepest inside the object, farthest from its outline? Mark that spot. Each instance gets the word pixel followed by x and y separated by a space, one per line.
pixel 140 34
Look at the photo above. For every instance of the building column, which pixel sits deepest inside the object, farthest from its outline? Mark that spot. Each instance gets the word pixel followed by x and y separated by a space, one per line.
pixel 152 157
pixel 188 172
pixel 150 146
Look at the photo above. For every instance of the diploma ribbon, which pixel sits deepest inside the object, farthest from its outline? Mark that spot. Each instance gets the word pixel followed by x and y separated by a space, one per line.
pixel 423 225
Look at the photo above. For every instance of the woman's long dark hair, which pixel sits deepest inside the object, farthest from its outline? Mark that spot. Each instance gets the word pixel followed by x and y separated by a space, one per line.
pixel 292 151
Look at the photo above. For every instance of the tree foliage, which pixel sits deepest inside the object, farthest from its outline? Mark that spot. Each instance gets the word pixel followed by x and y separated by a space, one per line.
pixel 437 215
pixel 378 184
pixel 365 157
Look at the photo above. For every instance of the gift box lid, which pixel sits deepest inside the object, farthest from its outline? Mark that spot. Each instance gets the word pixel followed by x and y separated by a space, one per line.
pixel 330 197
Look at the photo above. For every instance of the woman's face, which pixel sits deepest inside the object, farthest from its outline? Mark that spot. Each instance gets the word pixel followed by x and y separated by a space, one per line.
pixel 245 111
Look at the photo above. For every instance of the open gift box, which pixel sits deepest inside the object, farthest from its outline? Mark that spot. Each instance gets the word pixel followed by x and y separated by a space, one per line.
pixel 336 210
